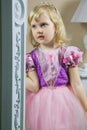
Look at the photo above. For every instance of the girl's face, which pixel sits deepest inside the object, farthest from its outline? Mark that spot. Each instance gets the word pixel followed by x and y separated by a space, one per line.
pixel 43 30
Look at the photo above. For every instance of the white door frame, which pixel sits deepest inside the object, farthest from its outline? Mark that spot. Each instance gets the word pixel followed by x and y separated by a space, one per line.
pixel 13 20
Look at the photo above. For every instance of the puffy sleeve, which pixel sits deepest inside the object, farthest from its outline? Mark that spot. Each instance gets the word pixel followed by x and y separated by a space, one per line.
pixel 72 56
pixel 30 66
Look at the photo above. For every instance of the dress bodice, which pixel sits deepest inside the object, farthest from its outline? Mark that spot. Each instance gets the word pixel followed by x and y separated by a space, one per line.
pixel 49 66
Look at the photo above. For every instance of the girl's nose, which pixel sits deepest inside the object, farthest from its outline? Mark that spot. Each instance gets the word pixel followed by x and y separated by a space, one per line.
pixel 40 30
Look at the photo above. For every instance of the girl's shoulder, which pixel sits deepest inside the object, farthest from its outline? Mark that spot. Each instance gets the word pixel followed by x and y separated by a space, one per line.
pixel 71 55
pixel 69 49
pixel 30 60
pixel 32 51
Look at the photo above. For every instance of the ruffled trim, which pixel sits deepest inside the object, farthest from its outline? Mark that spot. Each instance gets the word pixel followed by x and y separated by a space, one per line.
pixel 72 56
pixel 29 63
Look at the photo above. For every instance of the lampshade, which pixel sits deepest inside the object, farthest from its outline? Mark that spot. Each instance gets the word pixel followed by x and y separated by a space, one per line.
pixel 80 15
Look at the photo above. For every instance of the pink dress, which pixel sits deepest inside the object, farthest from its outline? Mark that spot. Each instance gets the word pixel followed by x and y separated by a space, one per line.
pixel 55 106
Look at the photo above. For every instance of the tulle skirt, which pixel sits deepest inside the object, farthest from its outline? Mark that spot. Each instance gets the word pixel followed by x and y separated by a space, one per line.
pixel 54 109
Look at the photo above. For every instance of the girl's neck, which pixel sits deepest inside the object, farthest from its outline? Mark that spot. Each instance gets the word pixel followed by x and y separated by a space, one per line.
pixel 47 47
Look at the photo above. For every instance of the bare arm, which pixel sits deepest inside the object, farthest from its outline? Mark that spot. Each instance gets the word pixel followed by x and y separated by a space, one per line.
pixel 32 81
pixel 77 86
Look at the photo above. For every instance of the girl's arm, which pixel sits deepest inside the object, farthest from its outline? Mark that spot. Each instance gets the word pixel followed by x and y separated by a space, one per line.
pixel 32 81
pixel 77 86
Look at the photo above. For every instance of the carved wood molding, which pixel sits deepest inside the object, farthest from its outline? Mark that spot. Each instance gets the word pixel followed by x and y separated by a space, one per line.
pixel 18 66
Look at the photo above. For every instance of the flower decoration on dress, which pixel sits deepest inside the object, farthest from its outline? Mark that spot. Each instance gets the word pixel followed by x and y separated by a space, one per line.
pixel 72 56
pixel 29 63
pixel 51 57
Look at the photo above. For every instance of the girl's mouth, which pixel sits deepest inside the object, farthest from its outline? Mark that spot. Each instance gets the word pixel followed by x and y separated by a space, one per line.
pixel 40 37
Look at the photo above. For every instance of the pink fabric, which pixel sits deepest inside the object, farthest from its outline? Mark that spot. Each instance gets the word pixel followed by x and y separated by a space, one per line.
pixel 49 65
pixel 29 63
pixel 54 109
pixel 72 56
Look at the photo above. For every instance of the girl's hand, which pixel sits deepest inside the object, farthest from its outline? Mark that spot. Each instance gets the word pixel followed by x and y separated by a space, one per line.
pixel 32 81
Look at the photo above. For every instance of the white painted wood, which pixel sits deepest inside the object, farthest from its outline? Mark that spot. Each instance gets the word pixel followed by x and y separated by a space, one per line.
pixel 19 8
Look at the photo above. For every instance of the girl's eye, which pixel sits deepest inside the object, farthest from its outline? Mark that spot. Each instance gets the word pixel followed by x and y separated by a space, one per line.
pixel 44 24
pixel 34 26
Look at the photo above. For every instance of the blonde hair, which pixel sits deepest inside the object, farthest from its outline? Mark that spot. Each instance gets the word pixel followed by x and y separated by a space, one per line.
pixel 55 17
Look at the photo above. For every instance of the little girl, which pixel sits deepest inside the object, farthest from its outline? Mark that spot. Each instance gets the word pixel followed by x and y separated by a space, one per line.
pixel 56 98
